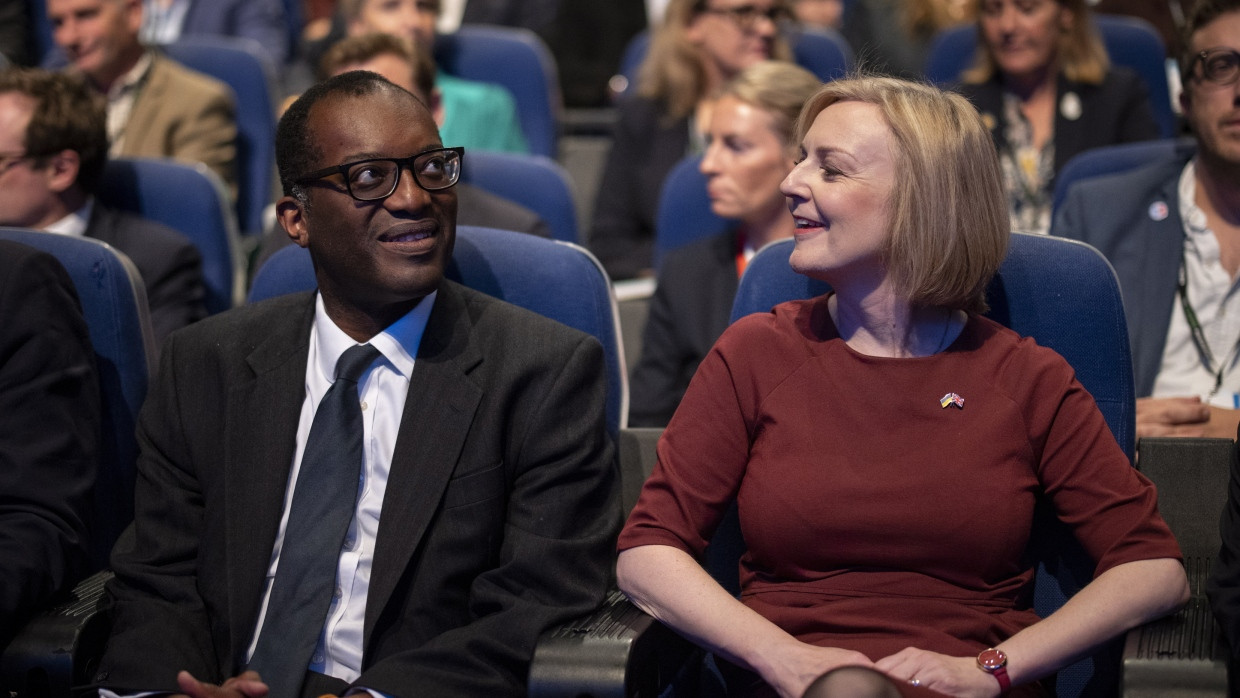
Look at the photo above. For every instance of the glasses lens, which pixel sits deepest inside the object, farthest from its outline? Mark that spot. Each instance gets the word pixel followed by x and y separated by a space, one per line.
pixel 373 179
pixel 1220 66
pixel 438 169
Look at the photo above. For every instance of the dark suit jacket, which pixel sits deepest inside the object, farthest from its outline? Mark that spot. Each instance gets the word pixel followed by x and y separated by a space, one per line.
pixel 646 147
pixel 49 434
pixel 261 20
pixel 1223 586
pixel 498 521
pixel 690 309
pixel 1114 214
pixel 1117 111
pixel 474 206
pixel 168 262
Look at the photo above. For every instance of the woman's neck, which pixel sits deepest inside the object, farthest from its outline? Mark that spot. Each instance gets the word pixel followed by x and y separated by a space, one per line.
pixel 880 324
pixel 1035 86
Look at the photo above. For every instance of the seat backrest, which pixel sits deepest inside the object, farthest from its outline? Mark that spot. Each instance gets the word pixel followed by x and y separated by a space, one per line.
pixel 684 213
pixel 518 60
pixel 1063 294
pixel 239 63
pixel 1129 41
pixel 187 198
pixel 114 304
pixel 822 52
pixel 534 181
pixel 555 279
pixel 1114 159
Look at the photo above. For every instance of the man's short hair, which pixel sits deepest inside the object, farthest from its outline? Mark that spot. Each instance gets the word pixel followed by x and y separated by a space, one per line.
pixel 296 150
pixel 947 216
pixel 1203 13
pixel 366 47
pixel 68 115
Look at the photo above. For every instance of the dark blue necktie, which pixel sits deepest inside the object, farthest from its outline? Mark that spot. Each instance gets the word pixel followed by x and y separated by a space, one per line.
pixel 324 499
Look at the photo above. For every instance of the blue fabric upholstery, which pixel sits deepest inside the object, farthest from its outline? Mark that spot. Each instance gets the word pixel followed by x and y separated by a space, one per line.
pixel 556 279
pixel 1065 295
pixel 186 198
pixel 114 304
pixel 534 181
pixel 1129 41
pixel 1113 159
pixel 522 63
pixel 684 209
pixel 239 63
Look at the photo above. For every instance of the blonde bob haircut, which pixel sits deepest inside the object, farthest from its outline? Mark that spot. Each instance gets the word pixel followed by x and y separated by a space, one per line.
pixel 948 217
pixel 673 71
pixel 1079 50
pixel 778 88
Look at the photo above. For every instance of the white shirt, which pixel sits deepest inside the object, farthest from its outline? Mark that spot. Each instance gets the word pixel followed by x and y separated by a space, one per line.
pixel 162 21
pixel 382 388
pixel 1215 298
pixel 451 12
pixel 75 223
pixel 121 98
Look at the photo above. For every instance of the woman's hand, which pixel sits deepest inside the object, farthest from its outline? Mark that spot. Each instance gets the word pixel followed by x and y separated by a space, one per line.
pixel 796 665
pixel 955 676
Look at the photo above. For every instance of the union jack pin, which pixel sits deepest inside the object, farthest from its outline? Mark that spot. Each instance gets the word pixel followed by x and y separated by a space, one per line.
pixel 952 399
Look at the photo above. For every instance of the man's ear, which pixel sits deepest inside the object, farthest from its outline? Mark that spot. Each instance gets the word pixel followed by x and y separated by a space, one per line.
pixel 63 168
pixel 291 214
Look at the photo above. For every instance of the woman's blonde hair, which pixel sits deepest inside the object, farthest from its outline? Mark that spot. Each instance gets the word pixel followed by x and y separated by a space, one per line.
pixel 672 71
pixel 778 88
pixel 947 215
pixel 1079 50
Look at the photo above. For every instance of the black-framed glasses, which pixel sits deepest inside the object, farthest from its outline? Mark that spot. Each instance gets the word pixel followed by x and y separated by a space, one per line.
pixel 1220 66
pixel 376 178
pixel 746 16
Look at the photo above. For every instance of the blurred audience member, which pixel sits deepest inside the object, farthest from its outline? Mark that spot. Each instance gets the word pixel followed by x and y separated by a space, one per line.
pixel 893 37
pixel 700 45
pixel 15 33
pixel 165 21
pixel 1172 232
pixel 476 114
pixel 156 107
pixel 1047 91
pixel 411 68
pixel 49 436
pixel 819 14
pixel 1166 16
pixel 54 146
pixel 749 153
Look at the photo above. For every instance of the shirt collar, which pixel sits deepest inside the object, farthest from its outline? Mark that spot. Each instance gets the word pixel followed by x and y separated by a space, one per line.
pixel 75 223
pixel 1190 213
pixel 398 342
pixel 129 81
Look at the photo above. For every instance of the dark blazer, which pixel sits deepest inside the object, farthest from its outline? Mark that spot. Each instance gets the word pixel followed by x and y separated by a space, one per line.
pixel 645 148
pixel 499 518
pixel 49 434
pixel 1223 586
pixel 170 265
pixel 690 309
pixel 1123 216
pixel 261 20
pixel 1117 111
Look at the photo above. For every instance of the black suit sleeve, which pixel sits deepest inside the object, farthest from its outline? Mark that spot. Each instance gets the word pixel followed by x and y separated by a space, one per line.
pixel 49 433
pixel 1136 116
pixel 558 545
pixel 1223 587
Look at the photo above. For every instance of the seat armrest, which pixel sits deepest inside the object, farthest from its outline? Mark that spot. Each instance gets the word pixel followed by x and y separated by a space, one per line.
pixel 618 651
pixel 59 648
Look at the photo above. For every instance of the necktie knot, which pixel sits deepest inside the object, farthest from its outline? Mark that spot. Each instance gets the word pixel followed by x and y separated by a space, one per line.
pixel 354 362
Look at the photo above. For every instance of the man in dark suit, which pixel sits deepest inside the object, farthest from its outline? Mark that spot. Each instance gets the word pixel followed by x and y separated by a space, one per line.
pixel 487 505
pixel 1172 231
pixel 53 137
pixel 49 435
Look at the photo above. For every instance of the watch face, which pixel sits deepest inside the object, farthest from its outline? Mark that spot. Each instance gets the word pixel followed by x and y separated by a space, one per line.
pixel 992 660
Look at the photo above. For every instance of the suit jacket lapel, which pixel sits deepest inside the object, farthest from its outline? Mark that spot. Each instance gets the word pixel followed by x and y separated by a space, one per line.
pixel 439 410
pixel 261 436
pixel 1069 133
pixel 139 130
pixel 1161 257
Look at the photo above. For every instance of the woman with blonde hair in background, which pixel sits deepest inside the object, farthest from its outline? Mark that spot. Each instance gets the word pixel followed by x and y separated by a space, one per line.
pixel 700 45
pixel 749 151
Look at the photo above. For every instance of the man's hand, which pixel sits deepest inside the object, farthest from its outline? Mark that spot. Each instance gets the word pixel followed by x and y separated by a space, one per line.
pixel 1184 416
pixel 248 685
pixel 955 676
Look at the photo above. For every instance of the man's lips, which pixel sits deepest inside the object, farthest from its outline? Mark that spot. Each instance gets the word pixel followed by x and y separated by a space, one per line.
pixel 409 239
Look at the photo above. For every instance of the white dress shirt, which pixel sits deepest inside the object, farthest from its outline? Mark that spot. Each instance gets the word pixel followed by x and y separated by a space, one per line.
pixel 382 389
pixel 75 223
pixel 1215 298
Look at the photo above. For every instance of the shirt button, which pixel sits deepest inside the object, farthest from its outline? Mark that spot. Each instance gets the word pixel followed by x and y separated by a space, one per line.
pixel 317 658
pixel 364 405
pixel 337 593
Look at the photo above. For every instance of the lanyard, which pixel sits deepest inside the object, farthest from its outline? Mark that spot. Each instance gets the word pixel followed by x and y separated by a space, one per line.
pixel 1199 335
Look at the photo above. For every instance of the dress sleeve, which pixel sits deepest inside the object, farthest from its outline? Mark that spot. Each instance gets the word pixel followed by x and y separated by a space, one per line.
pixel 1112 508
